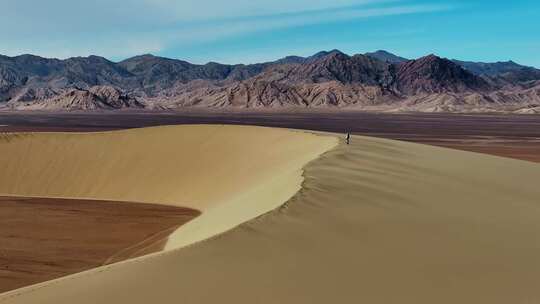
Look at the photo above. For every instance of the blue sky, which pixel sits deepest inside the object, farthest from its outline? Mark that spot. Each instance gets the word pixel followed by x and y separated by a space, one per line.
pixel 247 31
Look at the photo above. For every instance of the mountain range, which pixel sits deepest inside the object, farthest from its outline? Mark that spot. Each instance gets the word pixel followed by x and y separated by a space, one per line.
pixel 377 81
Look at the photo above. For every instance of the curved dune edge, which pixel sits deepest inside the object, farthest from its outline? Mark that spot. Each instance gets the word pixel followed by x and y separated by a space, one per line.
pixel 230 173
pixel 378 221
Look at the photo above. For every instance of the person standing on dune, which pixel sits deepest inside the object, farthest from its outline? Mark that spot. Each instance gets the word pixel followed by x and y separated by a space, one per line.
pixel 348 138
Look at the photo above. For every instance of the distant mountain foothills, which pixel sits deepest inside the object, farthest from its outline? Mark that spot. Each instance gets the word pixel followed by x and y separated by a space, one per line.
pixel 378 81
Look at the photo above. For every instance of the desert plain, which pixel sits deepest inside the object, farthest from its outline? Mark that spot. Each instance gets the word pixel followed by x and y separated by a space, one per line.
pixel 276 214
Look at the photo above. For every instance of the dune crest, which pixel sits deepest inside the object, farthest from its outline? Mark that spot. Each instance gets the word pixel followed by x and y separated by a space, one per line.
pixel 230 173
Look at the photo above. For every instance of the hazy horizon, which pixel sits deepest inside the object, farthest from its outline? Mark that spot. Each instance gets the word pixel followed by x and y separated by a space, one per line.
pixel 256 62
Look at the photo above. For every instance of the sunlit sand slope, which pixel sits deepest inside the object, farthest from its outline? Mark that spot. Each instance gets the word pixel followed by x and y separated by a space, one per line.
pixel 230 173
pixel 378 221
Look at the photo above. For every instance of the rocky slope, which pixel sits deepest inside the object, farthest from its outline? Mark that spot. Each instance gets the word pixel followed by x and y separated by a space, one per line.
pixel 432 74
pixel 94 98
pixel 378 81
pixel 385 56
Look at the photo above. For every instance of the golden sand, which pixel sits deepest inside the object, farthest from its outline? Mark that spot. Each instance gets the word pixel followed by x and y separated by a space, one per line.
pixel 230 173
pixel 378 221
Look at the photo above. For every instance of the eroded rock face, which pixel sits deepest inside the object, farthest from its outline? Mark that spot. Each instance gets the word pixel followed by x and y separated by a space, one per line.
pixel 378 81
pixel 432 74
pixel 95 98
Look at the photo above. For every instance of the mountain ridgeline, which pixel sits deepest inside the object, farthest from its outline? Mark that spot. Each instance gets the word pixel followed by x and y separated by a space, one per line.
pixel 378 81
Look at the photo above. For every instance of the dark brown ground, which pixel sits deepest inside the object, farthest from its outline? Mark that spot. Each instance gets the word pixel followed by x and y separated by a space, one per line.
pixel 516 136
pixel 42 239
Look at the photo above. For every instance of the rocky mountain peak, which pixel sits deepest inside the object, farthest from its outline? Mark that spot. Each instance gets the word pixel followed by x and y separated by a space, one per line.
pixel 433 74
pixel 328 78
pixel 385 56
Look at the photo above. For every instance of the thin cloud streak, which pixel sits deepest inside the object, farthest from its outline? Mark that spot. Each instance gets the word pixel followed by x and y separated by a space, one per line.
pixel 119 43
pixel 225 30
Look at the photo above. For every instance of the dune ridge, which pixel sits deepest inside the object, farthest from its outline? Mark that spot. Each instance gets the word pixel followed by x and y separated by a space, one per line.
pixel 219 170
pixel 378 221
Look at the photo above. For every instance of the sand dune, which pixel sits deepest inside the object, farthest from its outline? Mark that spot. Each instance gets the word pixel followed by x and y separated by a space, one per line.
pixel 378 221
pixel 220 170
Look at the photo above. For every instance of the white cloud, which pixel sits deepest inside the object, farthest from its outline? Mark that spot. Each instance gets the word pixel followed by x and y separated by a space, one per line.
pixel 66 15
pixel 209 32
pixel 114 28
pixel 211 9
pixel 322 16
